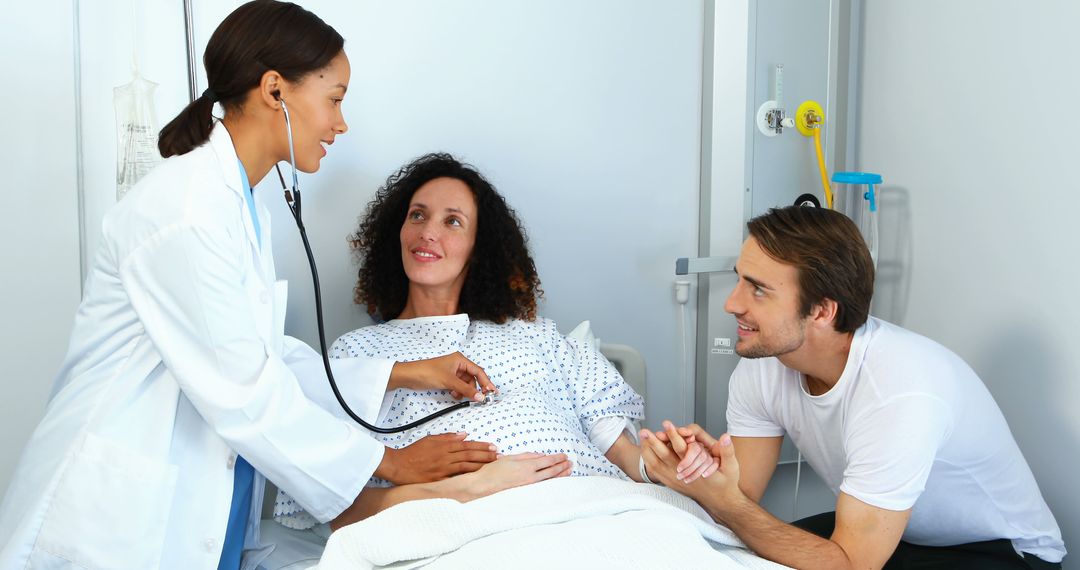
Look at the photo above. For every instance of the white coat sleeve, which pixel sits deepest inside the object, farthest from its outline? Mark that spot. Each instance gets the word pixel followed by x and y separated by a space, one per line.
pixel 362 381
pixel 191 291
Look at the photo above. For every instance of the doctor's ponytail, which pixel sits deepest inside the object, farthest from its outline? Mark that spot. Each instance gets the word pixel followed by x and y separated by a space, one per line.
pixel 189 129
pixel 260 36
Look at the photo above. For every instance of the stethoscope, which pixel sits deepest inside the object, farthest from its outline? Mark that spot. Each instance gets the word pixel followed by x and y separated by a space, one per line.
pixel 293 200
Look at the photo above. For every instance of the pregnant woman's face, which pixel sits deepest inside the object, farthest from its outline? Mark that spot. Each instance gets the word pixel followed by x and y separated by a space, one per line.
pixel 438 235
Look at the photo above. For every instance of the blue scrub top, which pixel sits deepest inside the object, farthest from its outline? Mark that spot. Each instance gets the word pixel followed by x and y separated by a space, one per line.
pixel 244 473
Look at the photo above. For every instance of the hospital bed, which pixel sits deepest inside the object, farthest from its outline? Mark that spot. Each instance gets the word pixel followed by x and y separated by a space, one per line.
pixel 297 549
pixel 626 512
pixel 575 522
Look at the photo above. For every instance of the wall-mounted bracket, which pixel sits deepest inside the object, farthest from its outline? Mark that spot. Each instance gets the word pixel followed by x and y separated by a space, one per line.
pixel 688 265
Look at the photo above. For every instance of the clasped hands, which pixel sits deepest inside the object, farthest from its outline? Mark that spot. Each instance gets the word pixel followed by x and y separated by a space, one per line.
pixel 690 461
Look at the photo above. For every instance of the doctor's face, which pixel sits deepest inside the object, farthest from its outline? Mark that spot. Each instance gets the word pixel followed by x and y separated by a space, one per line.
pixel 438 235
pixel 765 303
pixel 314 105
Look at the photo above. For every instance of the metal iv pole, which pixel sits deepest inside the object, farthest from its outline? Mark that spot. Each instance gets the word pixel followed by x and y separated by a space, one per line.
pixel 189 31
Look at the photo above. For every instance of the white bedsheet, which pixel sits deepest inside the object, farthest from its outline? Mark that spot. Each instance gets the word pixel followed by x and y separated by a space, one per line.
pixel 572 522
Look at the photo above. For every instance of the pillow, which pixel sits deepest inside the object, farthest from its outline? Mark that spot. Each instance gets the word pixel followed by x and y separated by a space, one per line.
pixel 627 360
pixel 583 333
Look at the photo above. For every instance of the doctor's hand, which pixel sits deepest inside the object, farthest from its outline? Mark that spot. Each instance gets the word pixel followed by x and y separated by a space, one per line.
pixel 433 458
pixel 451 372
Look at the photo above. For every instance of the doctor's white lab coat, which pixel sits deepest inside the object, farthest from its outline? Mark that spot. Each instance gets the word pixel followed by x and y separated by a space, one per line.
pixel 177 362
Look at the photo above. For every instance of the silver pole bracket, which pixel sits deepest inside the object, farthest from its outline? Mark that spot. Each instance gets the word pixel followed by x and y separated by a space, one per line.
pixel 688 265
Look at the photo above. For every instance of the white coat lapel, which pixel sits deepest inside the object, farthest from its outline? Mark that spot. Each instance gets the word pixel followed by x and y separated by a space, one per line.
pixel 222 144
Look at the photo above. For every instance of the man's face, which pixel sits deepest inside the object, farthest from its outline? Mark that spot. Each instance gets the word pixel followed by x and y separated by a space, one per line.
pixel 765 303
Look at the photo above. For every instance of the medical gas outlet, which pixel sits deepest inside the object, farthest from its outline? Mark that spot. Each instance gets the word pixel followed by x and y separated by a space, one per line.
pixel 809 116
pixel 771 117
pixel 809 119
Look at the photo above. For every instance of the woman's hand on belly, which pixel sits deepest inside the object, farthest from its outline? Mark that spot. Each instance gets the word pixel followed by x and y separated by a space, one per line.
pixel 510 471
pixel 433 458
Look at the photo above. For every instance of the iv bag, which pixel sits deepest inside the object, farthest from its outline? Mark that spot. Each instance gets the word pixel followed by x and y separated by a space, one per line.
pixel 136 132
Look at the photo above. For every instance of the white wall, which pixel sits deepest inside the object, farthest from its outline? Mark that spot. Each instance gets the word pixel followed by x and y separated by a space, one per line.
pixel 40 286
pixel 964 109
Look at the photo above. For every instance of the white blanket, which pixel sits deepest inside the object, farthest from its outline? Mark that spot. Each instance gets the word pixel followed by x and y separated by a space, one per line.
pixel 572 522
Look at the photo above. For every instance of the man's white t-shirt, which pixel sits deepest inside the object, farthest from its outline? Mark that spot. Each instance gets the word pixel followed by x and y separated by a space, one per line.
pixel 908 425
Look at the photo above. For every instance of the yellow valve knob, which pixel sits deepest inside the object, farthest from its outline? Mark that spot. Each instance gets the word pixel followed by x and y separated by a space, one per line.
pixel 808 117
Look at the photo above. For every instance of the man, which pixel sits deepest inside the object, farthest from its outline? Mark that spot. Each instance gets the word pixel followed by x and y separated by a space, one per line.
pixel 899 427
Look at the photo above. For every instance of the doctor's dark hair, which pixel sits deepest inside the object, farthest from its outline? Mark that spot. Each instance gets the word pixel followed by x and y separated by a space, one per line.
pixel 501 282
pixel 831 257
pixel 257 37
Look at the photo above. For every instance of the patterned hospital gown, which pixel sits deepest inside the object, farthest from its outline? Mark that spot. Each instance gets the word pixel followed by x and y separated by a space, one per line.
pixel 552 391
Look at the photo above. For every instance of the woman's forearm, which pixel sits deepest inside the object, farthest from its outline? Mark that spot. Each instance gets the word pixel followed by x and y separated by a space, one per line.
pixel 373 500
pixel 504 473
pixel 625 454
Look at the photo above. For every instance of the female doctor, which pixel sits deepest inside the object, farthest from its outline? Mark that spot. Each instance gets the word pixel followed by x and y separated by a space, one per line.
pixel 178 378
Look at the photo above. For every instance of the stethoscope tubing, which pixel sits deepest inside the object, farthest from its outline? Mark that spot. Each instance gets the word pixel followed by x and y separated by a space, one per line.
pixel 293 200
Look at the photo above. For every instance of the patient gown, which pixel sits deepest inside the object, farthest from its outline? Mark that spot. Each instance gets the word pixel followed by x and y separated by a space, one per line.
pixel 552 391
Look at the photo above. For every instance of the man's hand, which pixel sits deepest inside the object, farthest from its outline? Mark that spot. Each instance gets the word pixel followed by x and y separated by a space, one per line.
pixel 692 432
pixel 865 535
pixel 662 462
pixel 757 456
pixel 451 372
pixel 694 457
pixel 433 458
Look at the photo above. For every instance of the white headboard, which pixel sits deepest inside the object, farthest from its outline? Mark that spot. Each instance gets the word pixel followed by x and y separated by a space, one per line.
pixel 629 362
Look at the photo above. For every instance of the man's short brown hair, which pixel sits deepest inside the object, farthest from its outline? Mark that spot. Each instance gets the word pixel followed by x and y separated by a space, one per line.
pixel 831 257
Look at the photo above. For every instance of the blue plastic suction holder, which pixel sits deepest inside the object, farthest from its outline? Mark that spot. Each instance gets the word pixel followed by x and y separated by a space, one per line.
pixel 856 178
pixel 868 178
